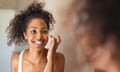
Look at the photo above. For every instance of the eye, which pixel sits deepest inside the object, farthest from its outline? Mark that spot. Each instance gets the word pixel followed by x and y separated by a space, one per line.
pixel 33 31
pixel 44 31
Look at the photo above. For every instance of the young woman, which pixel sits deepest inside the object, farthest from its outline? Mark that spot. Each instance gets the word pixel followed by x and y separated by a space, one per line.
pixel 98 33
pixel 32 25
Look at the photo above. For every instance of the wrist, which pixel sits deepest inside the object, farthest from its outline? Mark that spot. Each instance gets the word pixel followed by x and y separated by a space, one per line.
pixel 51 59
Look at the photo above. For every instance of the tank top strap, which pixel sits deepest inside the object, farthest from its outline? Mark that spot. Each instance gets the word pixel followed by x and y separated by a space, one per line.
pixel 20 61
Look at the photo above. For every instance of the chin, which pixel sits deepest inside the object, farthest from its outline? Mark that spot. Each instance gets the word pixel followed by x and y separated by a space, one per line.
pixel 39 48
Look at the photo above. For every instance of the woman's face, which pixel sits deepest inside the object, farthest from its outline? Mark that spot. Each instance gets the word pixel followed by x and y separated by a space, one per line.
pixel 36 33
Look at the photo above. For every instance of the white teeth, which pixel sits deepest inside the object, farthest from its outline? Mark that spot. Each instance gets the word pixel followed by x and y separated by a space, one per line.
pixel 38 42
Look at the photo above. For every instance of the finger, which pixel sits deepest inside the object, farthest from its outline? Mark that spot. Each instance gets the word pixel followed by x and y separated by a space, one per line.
pixel 53 41
pixel 58 39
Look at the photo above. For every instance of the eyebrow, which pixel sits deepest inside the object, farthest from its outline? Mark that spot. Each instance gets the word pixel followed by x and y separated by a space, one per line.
pixel 37 27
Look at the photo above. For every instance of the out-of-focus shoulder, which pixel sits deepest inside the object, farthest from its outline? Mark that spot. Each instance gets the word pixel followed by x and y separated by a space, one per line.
pixel 14 59
pixel 15 56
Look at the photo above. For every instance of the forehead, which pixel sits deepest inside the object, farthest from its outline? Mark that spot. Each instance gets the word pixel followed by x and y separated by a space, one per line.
pixel 37 22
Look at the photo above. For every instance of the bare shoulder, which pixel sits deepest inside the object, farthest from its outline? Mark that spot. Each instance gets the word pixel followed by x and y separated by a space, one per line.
pixel 59 62
pixel 14 60
pixel 15 56
pixel 60 56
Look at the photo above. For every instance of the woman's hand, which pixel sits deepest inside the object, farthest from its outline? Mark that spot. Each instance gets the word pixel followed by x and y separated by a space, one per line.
pixel 55 41
pixel 52 52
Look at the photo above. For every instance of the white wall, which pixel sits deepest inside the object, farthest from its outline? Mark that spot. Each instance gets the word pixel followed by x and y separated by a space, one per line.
pixel 8 4
pixel 5 51
pixel 21 4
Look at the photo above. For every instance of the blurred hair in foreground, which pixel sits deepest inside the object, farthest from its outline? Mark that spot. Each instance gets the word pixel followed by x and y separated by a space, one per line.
pixel 97 29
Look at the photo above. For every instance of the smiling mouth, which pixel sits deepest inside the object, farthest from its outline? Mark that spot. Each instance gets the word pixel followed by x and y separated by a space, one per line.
pixel 38 42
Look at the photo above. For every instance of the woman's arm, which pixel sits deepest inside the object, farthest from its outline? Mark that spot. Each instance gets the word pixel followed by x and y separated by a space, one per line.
pixel 50 65
pixel 56 64
pixel 55 60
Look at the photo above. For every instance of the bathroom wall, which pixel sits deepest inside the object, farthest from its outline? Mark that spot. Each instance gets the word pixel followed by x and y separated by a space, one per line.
pixel 5 50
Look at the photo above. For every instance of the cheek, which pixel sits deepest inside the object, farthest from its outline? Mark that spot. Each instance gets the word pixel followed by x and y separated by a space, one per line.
pixel 29 38
pixel 45 38
pixel 27 35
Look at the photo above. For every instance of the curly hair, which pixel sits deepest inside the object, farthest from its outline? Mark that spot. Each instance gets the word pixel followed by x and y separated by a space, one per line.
pixel 19 23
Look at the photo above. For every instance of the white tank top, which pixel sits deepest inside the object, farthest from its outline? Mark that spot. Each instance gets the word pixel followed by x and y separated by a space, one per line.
pixel 20 62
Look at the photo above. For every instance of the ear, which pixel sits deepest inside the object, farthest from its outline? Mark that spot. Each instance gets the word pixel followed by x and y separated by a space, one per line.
pixel 25 35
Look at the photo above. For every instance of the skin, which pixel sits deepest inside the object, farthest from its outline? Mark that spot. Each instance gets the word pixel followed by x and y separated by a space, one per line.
pixel 36 56
pixel 98 55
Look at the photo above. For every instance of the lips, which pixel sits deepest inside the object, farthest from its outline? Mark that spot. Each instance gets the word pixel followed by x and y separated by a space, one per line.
pixel 38 42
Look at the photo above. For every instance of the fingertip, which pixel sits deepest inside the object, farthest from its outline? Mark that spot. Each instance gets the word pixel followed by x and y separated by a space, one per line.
pixel 51 37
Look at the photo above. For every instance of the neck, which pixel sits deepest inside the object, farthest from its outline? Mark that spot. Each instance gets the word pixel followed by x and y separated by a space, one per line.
pixel 35 56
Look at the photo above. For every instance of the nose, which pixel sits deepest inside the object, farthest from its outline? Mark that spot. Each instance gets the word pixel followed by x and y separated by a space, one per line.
pixel 39 35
